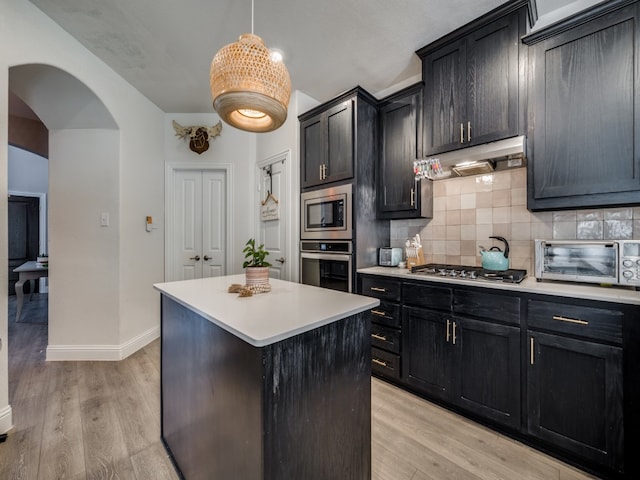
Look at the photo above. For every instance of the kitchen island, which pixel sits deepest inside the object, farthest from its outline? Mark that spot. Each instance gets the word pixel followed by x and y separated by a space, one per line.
pixel 272 386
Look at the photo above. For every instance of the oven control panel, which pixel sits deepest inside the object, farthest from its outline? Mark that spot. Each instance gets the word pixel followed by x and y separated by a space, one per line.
pixel 629 262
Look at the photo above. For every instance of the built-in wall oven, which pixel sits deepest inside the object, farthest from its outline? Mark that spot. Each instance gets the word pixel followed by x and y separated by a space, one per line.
pixel 327 264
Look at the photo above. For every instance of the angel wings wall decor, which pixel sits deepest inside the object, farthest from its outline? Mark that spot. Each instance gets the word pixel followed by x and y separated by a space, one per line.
pixel 198 135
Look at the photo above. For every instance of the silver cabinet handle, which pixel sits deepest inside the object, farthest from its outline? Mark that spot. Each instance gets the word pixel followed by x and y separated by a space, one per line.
pixel 531 347
pixel 560 318
pixel 468 131
pixel 321 165
pixel 379 313
pixel 447 336
pixel 413 197
pixel 196 258
pixel 454 333
pixel 378 289
pixel 462 133
pixel 379 362
pixel 379 337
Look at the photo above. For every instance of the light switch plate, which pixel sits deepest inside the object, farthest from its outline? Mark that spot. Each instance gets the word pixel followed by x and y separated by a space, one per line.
pixel 104 219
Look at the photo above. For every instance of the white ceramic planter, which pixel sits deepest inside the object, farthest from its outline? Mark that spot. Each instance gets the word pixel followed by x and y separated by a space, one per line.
pixel 256 275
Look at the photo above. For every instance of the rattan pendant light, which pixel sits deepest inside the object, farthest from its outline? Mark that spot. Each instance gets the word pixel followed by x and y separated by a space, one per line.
pixel 250 89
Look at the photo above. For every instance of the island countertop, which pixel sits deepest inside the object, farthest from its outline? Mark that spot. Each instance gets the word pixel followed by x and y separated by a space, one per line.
pixel 265 318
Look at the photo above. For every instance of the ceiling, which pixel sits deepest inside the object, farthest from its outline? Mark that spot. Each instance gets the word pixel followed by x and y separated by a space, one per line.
pixel 164 48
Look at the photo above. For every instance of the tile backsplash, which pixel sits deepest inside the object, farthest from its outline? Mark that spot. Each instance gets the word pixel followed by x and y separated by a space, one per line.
pixel 468 210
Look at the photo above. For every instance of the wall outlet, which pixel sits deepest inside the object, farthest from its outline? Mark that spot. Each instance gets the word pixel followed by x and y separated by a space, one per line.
pixel 104 219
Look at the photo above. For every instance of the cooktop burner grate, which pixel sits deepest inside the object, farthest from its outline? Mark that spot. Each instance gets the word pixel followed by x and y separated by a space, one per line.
pixel 468 272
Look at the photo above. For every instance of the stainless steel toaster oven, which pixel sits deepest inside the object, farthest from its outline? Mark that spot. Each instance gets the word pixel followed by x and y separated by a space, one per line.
pixel 615 262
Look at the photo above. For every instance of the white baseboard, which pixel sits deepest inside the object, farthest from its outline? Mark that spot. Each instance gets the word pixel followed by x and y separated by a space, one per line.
pixel 62 353
pixel 6 422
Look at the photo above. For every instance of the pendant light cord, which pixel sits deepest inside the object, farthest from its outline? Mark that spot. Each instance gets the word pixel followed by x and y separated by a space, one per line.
pixel 251 17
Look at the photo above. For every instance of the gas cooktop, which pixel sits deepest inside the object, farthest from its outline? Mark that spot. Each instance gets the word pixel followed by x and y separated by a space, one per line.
pixel 466 272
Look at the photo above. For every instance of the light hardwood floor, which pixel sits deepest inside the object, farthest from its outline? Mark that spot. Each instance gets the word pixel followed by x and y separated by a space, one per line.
pixel 100 420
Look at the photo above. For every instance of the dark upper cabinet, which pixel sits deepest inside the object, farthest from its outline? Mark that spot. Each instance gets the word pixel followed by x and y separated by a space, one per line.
pixel 585 110
pixel 472 82
pixel 327 144
pixel 400 195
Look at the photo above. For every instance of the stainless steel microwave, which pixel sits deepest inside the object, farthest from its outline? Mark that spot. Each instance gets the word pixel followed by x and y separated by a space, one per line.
pixel 326 214
pixel 615 262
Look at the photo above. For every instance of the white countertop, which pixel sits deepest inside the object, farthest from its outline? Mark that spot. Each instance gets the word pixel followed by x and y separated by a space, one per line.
pixel 265 318
pixel 529 285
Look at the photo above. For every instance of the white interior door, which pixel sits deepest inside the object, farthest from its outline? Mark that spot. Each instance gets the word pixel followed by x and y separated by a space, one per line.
pixel 214 211
pixel 273 174
pixel 199 224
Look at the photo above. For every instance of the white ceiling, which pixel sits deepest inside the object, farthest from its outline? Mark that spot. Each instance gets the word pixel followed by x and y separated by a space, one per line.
pixel 164 48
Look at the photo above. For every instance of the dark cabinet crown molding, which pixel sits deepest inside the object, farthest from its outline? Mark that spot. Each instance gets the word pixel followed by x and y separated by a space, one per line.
pixel 401 93
pixel 358 91
pixel 493 15
pixel 576 20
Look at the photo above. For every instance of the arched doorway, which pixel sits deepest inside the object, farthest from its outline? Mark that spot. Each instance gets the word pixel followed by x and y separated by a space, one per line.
pixel 84 161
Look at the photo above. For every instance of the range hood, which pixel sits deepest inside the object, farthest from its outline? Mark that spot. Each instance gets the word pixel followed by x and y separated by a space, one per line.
pixel 481 159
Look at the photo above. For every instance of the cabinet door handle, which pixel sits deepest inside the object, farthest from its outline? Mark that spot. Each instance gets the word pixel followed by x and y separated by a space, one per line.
pixel 379 337
pixel 468 131
pixel 454 333
pixel 380 313
pixel 379 362
pixel 320 172
pixel 447 336
pixel 413 197
pixel 560 318
pixel 378 289
pixel 462 133
pixel 531 359
pixel 324 171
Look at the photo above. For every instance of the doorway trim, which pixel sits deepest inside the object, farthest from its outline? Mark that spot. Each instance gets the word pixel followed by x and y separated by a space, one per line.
pixel 42 226
pixel 291 253
pixel 170 174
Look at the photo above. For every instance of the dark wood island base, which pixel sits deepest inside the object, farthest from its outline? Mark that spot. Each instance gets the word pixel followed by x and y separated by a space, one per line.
pixel 299 408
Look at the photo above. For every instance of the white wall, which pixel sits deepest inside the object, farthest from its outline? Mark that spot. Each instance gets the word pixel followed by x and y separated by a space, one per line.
pixel 287 137
pixel 83 280
pixel 232 147
pixel 115 266
pixel 27 172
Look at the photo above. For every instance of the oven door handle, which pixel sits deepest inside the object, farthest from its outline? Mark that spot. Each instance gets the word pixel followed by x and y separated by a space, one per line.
pixel 341 257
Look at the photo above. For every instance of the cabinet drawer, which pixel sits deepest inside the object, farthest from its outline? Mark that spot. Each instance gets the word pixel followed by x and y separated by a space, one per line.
pixel 423 295
pixel 385 338
pixel 501 308
pixel 385 363
pixel 386 314
pixel 383 288
pixel 598 323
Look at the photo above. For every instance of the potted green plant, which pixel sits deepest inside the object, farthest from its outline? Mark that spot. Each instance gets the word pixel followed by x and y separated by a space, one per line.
pixel 255 265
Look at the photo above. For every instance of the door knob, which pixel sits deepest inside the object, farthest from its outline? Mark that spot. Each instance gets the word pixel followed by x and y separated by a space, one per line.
pixel 207 258
pixel 281 259
pixel 196 258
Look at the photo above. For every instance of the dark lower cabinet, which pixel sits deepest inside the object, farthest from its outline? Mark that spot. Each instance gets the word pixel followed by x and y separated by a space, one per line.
pixel 488 370
pixel 473 364
pixel 561 373
pixel 575 397
pixel 427 352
